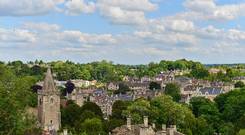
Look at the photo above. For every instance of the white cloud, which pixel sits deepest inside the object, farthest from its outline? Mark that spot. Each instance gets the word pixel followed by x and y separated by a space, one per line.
pixel 76 7
pixel 94 39
pixel 131 5
pixel 229 12
pixel 27 7
pixel 206 6
pixel 126 11
pixel 120 16
pixel 16 36
pixel 51 34
pixel 43 27
pixel 209 10
pixel 180 25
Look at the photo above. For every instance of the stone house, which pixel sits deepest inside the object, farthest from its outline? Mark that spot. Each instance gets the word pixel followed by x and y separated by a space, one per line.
pixel 208 92
pixel 138 86
pixel 165 77
pixel 131 79
pixel 113 86
pixel 77 96
pixel 144 129
pixel 145 79
pixel 240 78
pixel 216 71
pixel 83 83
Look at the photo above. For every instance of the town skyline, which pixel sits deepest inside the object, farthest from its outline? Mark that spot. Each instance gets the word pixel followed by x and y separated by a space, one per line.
pixel 123 31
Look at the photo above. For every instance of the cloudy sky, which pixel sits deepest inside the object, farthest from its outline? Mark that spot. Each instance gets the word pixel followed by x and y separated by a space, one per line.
pixel 123 31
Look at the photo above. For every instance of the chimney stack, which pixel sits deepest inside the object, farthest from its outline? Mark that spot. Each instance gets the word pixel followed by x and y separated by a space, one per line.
pixel 65 132
pixel 146 121
pixel 163 127
pixel 174 127
pixel 153 125
pixel 129 122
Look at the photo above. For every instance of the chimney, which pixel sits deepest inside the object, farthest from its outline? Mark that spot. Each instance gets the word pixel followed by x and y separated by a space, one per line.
pixel 129 122
pixel 174 127
pixel 163 127
pixel 171 130
pixel 153 125
pixel 146 121
pixel 65 132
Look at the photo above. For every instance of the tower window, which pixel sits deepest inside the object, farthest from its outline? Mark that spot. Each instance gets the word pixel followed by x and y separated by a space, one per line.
pixel 40 101
pixel 51 122
pixel 51 100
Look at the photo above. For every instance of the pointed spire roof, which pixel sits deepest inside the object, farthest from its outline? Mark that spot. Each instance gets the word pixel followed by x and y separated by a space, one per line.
pixel 48 84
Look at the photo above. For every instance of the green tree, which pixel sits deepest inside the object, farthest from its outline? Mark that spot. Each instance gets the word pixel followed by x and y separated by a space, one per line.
pixel 173 90
pixel 155 86
pixel 123 89
pixel 239 84
pixel 117 109
pixel 207 109
pixel 200 73
pixel 92 126
pixel 93 107
pixel 166 111
pixel 70 115
pixel 137 110
pixel 15 97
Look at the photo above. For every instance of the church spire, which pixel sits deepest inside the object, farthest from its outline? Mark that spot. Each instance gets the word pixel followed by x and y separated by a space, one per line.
pixel 48 84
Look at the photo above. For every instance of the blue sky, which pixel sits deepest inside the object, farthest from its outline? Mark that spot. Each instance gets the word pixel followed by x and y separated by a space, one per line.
pixel 123 31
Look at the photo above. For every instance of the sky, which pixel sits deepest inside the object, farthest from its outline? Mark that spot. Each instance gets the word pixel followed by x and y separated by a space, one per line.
pixel 123 31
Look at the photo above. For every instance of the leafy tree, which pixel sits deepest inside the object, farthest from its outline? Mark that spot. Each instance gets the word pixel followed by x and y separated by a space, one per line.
pixel 36 70
pixel 200 73
pixel 227 129
pixel 35 88
pixel 92 126
pixel 155 86
pixel 112 124
pixel 117 109
pixel 239 84
pixel 222 77
pixel 15 98
pixel 173 90
pixel 84 116
pixel 166 111
pixel 204 107
pixel 70 115
pixel 123 89
pixel 137 110
pixel 90 106
pixel 69 87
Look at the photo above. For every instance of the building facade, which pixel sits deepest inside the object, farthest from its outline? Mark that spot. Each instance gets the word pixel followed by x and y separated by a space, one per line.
pixel 49 105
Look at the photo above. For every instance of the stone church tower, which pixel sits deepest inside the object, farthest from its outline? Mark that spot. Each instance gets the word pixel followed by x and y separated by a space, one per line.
pixel 49 104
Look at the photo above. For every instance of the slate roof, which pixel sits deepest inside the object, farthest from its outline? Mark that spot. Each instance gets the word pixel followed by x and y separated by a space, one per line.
pixel 239 78
pixel 182 79
pixel 48 84
pixel 211 91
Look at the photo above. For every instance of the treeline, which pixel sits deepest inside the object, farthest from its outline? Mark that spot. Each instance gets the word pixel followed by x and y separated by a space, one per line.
pixel 103 71
pixel 106 71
